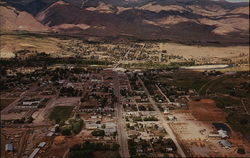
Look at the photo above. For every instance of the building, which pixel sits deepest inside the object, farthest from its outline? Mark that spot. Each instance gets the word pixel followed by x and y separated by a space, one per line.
pixel 9 148
pixel 223 134
pixel 30 103
pixel 110 128
pixel 226 144
pixel 92 125
pixel 171 118
pixel 214 136
pixel 42 144
pixel 166 111
pixel 50 134
pixel 34 153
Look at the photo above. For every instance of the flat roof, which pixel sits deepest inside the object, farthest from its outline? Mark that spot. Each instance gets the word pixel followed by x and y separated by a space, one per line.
pixel 42 144
pixel 9 147
pixel 225 143
pixel 33 154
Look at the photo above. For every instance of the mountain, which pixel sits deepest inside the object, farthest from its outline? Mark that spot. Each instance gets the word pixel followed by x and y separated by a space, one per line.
pixel 177 20
pixel 11 19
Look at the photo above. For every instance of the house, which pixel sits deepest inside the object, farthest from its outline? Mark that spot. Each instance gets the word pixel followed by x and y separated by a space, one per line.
pixel 166 110
pixel 226 144
pixel 9 148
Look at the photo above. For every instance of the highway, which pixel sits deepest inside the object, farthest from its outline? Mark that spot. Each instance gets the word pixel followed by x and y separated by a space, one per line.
pixel 121 127
pixel 163 121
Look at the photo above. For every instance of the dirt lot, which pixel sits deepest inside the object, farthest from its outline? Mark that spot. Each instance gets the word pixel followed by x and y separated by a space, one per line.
pixel 5 102
pixel 203 51
pixel 206 110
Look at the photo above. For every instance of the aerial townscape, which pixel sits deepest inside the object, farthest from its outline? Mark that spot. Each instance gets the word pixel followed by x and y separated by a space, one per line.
pixel 124 78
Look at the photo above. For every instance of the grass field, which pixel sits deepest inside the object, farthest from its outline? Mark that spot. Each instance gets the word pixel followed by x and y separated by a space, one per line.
pixel 61 113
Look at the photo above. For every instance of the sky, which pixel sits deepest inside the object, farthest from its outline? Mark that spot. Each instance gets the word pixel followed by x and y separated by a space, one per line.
pixel 238 0
pixel 235 0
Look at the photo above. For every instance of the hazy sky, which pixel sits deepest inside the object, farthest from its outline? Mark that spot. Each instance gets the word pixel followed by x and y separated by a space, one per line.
pixel 238 0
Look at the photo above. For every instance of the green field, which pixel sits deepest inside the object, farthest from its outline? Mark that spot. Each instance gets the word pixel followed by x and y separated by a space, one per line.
pixel 60 113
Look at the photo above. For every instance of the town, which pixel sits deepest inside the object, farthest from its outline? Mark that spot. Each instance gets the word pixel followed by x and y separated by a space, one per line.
pixel 76 111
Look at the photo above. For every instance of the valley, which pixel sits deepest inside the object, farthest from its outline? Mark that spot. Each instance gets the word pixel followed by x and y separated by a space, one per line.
pixel 124 78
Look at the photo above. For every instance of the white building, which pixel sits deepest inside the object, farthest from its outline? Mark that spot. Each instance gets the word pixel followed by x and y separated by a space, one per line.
pixel 110 128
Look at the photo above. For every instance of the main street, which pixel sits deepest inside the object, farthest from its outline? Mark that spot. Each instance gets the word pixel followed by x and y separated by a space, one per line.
pixel 163 121
pixel 121 127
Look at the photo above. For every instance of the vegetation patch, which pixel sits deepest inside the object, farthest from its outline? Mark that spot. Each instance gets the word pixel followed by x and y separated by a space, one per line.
pixel 74 127
pixel 91 150
pixel 240 122
pixel 61 113
pixel 223 102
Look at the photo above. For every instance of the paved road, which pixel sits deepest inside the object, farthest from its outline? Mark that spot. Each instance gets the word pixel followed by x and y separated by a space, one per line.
pixel 121 129
pixel 163 121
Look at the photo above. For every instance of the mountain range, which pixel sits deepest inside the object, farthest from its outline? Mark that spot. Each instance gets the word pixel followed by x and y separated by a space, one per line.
pixel 203 21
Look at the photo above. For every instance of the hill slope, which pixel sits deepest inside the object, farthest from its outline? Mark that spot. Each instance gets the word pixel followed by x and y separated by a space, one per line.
pixel 11 19
pixel 203 21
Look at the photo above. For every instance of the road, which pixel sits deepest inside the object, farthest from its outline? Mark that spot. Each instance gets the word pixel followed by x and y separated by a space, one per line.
pixel 40 117
pixel 244 105
pixel 13 104
pixel 121 126
pixel 122 58
pixel 162 93
pixel 22 143
pixel 23 94
pixel 163 121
